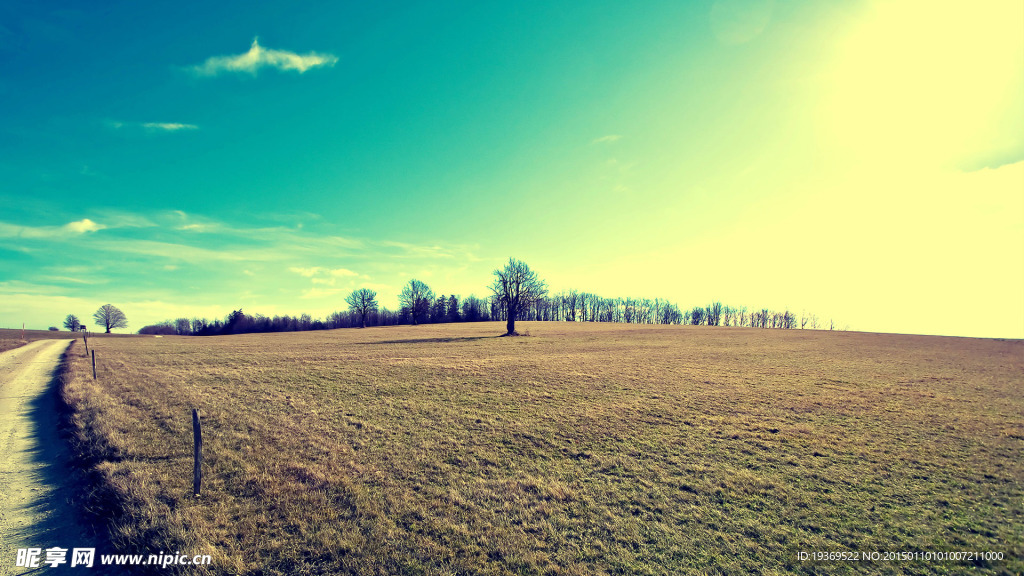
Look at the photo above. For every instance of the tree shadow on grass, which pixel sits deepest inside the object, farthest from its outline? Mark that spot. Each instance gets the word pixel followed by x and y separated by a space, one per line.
pixel 432 340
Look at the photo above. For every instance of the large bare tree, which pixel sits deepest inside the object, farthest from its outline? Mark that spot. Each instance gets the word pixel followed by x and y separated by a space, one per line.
pixel 416 297
pixel 362 301
pixel 516 288
pixel 109 316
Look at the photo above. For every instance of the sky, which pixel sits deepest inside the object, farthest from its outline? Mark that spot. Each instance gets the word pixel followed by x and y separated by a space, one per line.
pixel 862 160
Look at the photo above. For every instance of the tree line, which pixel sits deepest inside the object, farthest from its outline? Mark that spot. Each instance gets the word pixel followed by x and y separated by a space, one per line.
pixel 107 317
pixel 517 293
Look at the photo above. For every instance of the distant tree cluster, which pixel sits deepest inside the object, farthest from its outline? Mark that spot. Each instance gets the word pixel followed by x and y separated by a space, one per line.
pixel 716 314
pixel 107 316
pixel 517 294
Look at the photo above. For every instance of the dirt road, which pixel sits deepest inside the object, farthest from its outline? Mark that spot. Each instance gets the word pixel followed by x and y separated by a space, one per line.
pixel 34 490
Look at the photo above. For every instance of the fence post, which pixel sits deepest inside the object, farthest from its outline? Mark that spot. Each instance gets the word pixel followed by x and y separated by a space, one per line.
pixel 93 364
pixel 85 336
pixel 197 438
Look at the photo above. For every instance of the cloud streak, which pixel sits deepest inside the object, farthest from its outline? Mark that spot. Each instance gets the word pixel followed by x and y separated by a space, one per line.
pixel 82 226
pixel 151 127
pixel 259 57
pixel 184 252
pixel 172 256
pixel 317 270
pixel 168 126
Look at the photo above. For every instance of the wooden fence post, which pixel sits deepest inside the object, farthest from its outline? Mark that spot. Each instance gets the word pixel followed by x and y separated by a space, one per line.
pixel 197 437
pixel 93 364
pixel 85 336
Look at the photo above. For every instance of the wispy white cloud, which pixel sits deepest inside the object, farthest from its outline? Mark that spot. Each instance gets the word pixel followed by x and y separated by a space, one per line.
pixel 84 225
pixel 74 280
pixel 169 255
pixel 122 219
pixel 324 276
pixel 302 249
pixel 15 231
pixel 259 57
pixel 307 272
pixel 168 126
pixel 607 138
pixel 184 252
pixel 150 127
pixel 417 251
pixel 180 220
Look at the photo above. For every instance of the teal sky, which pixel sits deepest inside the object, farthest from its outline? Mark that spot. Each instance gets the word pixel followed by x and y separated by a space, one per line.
pixel 861 160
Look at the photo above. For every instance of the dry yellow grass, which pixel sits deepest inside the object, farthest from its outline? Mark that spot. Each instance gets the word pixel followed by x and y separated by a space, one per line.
pixel 581 449
pixel 11 338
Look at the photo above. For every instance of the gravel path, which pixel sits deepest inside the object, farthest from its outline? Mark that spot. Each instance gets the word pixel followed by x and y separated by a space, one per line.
pixel 34 490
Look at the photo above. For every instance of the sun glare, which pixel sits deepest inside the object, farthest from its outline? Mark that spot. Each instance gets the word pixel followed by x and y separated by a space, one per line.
pixel 919 82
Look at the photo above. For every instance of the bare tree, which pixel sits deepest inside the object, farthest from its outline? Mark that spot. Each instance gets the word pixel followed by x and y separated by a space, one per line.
pixel 788 320
pixel 109 316
pixel 473 309
pixel 72 323
pixel 697 316
pixel 571 301
pixel 516 287
pixel 362 301
pixel 656 306
pixel 643 311
pixel 714 313
pixel 182 326
pixel 416 297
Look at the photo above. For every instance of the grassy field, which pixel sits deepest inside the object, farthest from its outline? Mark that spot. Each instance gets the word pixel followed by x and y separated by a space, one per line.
pixel 580 449
pixel 12 338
